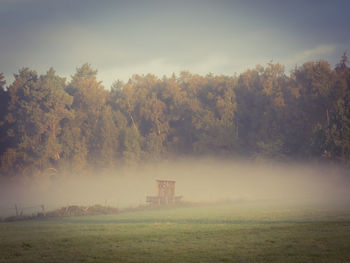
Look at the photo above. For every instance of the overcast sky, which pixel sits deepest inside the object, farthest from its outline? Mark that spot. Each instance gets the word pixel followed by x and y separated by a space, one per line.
pixel 122 38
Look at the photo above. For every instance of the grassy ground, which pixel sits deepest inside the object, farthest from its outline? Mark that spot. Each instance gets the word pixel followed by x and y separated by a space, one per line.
pixel 223 233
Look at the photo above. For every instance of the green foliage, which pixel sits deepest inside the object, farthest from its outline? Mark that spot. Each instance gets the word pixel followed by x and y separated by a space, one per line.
pixel 131 142
pixel 261 97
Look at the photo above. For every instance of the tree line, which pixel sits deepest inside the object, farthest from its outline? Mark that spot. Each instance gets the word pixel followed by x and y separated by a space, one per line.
pixel 48 124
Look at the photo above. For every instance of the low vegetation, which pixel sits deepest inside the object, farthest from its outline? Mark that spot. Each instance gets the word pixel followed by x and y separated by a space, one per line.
pixel 220 233
pixel 70 210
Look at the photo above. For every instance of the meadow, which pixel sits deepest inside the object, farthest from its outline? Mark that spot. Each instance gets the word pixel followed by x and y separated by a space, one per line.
pixel 246 232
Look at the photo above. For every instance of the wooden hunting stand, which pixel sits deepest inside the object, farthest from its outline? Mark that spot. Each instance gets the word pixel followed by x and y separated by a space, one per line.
pixel 165 194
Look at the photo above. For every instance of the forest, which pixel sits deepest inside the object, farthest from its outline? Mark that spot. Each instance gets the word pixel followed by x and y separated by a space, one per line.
pixel 49 125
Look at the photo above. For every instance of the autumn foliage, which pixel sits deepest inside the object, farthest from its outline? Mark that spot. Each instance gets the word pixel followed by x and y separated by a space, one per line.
pixel 51 125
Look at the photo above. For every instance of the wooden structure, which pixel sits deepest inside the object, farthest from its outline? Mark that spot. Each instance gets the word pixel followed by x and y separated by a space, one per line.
pixel 165 194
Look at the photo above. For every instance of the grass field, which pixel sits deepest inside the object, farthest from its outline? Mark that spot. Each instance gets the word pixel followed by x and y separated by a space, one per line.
pixel 221 233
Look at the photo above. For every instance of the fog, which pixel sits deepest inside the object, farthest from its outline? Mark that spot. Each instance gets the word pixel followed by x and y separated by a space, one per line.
pixel 197 180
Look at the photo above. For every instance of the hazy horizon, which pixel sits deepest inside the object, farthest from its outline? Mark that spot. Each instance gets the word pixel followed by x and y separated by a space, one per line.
pixel 122 38
pixel 197 180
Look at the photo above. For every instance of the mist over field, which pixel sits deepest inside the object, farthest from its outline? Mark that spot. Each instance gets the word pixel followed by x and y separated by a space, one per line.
pixel 244 104
pixel 197 180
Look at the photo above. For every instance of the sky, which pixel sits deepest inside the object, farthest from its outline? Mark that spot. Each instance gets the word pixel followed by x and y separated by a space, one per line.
pixel 122 38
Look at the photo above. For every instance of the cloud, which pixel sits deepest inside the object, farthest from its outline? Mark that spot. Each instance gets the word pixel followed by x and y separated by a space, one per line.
pixel 156 66
pixel 218 64
pixel 14 2
pixel 315 53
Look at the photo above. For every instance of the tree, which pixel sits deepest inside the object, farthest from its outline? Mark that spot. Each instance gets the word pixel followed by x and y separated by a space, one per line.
pixel 45 123
pixel 342 65
pixel 261 108
pixel 215 124
pixel 89 101
pixel 337 136
pixel 315 81
pixel 4 100
pixel 23 131
pixel 131 142
pixel 55 104
pixel 105 140
pixel 37 107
